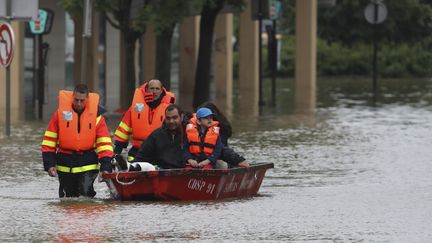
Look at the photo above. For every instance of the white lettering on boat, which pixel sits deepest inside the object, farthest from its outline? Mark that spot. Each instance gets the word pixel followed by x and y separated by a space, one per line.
pixel 210 188
pixel 196 185
pixel 199 184
pixel 231 187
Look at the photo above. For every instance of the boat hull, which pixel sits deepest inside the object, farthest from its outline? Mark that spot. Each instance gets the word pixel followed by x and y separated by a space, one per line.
pixel 187 184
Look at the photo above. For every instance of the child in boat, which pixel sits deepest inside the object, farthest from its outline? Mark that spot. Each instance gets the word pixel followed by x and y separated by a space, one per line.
pixel 228 158
pixel 203 145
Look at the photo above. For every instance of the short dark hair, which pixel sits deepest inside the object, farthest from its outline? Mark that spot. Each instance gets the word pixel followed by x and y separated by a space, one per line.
pixel 174 107
pixel 81 88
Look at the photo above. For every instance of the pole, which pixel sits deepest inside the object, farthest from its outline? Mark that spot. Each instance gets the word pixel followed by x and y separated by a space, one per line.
pixel 274 63
pixel 7 122
pixel 375 49
pixel 35 77
pixel 86 35
pixel 260 85
pixel 8 101
pixel 41 77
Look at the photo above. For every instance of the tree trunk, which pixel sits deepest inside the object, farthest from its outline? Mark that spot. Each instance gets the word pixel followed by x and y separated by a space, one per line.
pixel 78 31
pixel 163 57
pixel 127 88
pixel 202 74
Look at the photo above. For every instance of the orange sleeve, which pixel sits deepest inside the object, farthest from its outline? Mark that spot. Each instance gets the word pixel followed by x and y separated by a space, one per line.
pixel 124 130
pixel 103 140
pixel 50 138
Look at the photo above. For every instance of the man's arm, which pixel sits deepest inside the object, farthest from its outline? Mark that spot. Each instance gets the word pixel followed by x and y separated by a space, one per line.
pixel 49 145
pixel 123 132
pixel 103 144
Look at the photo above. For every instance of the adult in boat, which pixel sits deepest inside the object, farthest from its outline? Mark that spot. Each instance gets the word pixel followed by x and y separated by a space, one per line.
pixel 228 155
pixel 203 145
pixel 146 114
pixel 77 138
pixel 163 147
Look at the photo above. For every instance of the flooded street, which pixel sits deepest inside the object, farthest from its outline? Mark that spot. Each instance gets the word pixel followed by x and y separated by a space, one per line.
pixel 354 171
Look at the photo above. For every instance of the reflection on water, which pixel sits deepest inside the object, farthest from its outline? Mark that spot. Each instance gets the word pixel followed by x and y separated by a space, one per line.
pixel 352 171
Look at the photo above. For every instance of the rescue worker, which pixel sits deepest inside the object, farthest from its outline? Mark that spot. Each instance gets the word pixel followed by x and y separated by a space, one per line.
pixel 203 145
pixel 77 138
pixel 146 114
pixel 163 147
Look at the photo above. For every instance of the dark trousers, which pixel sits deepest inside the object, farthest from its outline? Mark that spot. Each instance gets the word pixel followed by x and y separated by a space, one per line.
pixel 77 184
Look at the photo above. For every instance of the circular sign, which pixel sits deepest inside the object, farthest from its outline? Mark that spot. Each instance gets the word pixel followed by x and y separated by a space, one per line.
pixel 7 44
pixel 375 13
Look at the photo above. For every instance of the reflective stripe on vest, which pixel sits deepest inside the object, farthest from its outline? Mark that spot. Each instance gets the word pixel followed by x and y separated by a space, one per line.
pixel 79 169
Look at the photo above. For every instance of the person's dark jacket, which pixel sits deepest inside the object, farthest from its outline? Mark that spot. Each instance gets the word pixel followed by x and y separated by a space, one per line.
pixel 163 149
pixel 228 154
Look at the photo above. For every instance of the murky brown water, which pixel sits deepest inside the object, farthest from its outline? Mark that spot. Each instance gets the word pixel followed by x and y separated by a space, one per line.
pixel 352 172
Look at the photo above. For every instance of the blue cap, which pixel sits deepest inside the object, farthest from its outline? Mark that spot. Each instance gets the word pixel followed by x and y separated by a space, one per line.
pixel 203 112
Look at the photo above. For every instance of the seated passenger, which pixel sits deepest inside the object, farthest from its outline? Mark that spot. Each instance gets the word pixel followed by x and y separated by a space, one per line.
pixel 163 147
pixel 228 155
pixel 203 145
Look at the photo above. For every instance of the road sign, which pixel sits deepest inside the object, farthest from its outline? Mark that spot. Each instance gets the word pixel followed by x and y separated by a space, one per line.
pixel 375 12
pixel 275 9
pixel 266 9
pixel 7 44
pixel 42 24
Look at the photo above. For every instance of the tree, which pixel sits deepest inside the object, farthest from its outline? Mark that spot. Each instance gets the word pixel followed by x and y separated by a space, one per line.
pixel 210 10
pixel 119 14
pixel 75 10
pixel 164 16
pixel 407 21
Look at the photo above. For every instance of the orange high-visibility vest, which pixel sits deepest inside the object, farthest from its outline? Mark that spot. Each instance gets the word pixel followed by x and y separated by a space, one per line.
pixel 196 146
pixel 69 137
pixel 145 120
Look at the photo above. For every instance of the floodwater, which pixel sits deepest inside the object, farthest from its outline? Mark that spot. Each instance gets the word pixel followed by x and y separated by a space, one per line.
pixel 353 171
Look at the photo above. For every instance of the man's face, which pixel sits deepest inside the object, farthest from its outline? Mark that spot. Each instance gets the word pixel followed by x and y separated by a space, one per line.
pixel 155 86
pixel 173 119
pixel 79 101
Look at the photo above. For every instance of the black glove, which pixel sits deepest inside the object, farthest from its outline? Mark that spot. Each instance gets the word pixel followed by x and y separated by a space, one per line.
pixel 118 149
pixel 105 164
pixel 119 146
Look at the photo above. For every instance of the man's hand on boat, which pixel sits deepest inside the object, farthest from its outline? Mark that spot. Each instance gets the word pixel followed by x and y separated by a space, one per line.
pixel 105 167
pixel 52 171
pixel 244 163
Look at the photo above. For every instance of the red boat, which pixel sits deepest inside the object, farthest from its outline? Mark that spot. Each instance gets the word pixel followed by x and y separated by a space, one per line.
pixel 187 184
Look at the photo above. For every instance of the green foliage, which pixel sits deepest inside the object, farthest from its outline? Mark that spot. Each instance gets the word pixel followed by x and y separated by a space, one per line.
pixel 287 56
pixel 73 7
pixel 407 21
pixel 406 60
pixel 165 15
pixel 333 58
pixel 123 15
